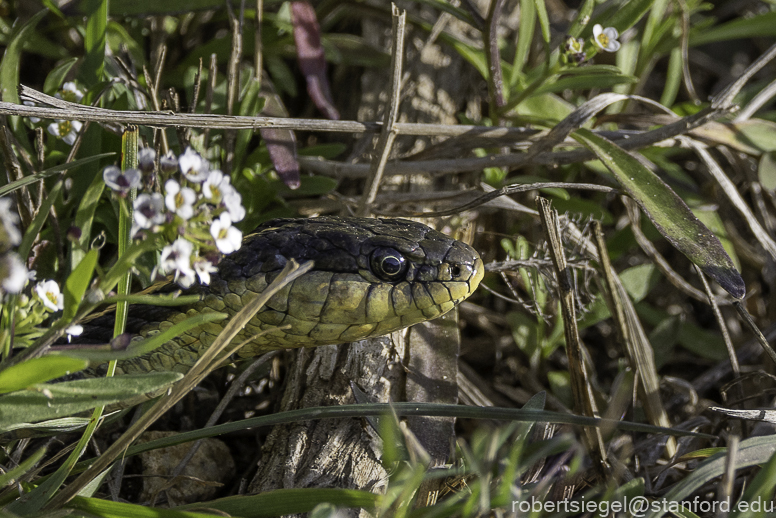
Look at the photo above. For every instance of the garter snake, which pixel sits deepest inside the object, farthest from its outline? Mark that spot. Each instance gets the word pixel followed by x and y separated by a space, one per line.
pixel 370 277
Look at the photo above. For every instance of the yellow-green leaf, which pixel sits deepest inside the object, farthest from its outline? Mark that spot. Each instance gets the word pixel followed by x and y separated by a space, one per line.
pixel 672 217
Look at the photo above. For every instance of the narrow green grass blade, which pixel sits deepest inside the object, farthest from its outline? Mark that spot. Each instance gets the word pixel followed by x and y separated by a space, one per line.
pixel 37 177
pixel 149 344
pixel 751 452
pixel 281 502
pixel 96 27
pixel 672 217
pixel 38 370
pixel 67 398
pixel 78 281
pixel 108 509
pixel 9 67
pixel 14 474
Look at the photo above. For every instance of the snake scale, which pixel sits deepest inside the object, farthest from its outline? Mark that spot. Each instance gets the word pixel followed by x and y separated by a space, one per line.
pixel 370 277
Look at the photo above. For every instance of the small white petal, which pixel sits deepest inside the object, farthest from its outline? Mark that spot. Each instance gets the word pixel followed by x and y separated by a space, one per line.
pixel 233 204
pixel 204 268
pixel 53 129
pixel 48 293
pixel 149 210
pixel 13 273
pixel 9 219
pixel 193 166
pixel 228 238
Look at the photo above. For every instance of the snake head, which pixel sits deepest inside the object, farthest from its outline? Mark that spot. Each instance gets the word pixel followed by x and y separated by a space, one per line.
pixel 371 277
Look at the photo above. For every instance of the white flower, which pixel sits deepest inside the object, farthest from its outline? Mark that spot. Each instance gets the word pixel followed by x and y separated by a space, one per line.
pixel 74 330
pixel 121 181
pixel 204 268
pixel 48 293
pixel 168 163
pixel 574 45
pixel 233 204
pixel 149 210
pixel 177 258
pixel 216 187
pixel 228 238
pixel 193 166
pixel 70 93
pixel 145 159
pixel 185 278
pixel 606 38
pixel 179 200
pixel 33 120
pixel 9 219
pixel 13 273
pixel 65 130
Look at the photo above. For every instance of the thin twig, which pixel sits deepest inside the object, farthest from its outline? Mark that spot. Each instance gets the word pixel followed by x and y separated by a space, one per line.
pixel 749 321
pixel 514 189
pixel 232 81
pixel 584 398
pixel 387 133
pixel 721 321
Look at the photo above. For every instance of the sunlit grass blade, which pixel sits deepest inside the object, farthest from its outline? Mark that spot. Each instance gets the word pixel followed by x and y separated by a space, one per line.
pixel 38 370
pixel 751 452
pixel 672 217
pixel 70 397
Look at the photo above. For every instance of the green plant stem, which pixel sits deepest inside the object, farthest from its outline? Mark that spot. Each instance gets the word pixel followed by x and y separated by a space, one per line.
pixel 128 161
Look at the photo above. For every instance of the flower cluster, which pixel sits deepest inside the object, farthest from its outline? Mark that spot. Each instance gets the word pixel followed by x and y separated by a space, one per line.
pixel 604 38
pixel 194 213
pixel 28 313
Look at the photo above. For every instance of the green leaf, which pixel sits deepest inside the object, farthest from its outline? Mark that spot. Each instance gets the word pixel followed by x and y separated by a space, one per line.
pixel 37 222
pixel 766 170
pixel 271 503
pixel 544 20
pixel 667 211
pixel 56 77
pixel 763 25
pixel 760 489
pixel 70 397
pixel 585 82
pixel 49 428
pixel 93 63
pixel 21 182
pixel 751 452
pixel 525 34
pixel 14 474
pixel 77 283
pixel 9 67
pixel 757 133
pixel 627 15
pixel 38 370
pixel 109 509
pixel 149 344
pixel 289 501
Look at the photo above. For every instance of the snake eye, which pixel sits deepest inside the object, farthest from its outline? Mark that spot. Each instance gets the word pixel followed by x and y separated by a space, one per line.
pixel 388 264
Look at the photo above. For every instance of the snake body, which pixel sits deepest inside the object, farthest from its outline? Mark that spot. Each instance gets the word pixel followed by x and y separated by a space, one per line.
pixel 370 277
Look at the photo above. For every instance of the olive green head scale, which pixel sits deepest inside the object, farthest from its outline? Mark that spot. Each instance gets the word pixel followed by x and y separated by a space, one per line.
pixel 370 277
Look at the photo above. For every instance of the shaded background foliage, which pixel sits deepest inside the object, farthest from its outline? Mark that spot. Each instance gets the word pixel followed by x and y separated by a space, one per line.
pixel 678 54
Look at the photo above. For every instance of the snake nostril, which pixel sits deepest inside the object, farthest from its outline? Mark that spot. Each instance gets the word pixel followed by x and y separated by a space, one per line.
pixel 455 271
